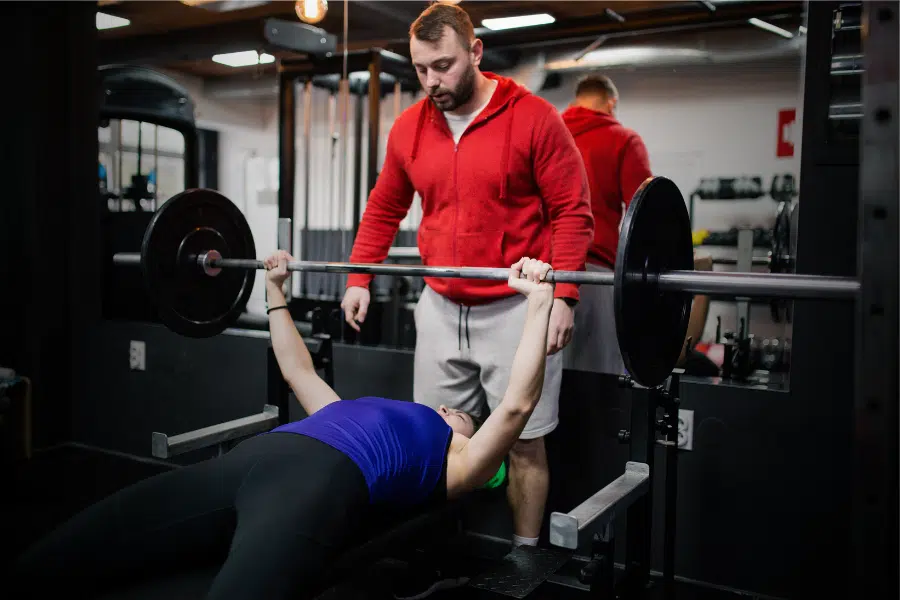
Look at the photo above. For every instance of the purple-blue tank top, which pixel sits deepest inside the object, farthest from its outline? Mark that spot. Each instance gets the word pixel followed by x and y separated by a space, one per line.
pixel 400 447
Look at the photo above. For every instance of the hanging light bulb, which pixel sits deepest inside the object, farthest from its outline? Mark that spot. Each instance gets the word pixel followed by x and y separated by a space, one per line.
pixel 311 11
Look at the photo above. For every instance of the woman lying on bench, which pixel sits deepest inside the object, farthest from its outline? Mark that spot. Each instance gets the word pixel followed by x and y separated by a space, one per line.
pixel 281 506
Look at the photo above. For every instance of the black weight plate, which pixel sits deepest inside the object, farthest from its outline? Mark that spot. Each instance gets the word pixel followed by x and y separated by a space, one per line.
pixel 190 302
pixel 651 324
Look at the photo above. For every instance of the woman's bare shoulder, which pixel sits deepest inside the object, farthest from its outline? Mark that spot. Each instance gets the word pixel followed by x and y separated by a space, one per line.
pixel 457 474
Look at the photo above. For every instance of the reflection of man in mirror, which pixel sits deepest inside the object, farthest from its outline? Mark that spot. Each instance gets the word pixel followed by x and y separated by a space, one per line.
pixel 693 361
pixel 617 164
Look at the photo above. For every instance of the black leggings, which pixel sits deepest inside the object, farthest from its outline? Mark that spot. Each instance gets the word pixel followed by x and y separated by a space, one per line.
pixel 274 512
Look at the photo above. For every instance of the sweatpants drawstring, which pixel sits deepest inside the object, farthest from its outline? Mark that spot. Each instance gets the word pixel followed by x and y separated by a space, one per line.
pixel 459 328
pixel 468 343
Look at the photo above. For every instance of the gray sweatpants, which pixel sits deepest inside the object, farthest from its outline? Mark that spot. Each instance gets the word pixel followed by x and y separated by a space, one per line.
pixel 464 353
pixel 594 347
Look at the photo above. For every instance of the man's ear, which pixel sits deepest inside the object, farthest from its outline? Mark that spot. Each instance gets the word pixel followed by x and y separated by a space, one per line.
pixel 477 50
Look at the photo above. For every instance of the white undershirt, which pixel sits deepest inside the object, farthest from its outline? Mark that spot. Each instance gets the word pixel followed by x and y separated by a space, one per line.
pixel 459 123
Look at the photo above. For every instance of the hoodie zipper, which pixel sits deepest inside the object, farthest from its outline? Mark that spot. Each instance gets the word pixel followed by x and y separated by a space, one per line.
pixel 477 121
pixel 456 193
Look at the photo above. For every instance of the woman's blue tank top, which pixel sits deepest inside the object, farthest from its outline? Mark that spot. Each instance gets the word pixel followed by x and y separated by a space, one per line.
pixel 400 447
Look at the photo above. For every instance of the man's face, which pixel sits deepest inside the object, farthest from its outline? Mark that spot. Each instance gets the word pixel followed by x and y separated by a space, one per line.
pixel 446 69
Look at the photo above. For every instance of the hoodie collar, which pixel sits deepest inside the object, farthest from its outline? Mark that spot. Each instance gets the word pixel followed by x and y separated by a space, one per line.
pixel 580 120
pixel 507 93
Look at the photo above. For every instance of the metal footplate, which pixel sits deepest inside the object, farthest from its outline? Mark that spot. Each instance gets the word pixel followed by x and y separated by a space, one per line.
pixel 601 508
pixel 165 446
pixel 521 571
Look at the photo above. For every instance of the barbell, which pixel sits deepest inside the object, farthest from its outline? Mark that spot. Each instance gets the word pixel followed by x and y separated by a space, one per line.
pixel 199 260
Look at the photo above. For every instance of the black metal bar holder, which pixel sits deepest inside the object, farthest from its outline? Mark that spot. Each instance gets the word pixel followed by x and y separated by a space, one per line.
pixel 643 441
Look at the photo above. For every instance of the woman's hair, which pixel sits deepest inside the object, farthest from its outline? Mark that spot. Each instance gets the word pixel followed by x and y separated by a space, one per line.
pixel 477 422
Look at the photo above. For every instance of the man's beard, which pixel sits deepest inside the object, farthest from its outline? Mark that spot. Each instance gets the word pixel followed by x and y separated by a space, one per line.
pixel 462 94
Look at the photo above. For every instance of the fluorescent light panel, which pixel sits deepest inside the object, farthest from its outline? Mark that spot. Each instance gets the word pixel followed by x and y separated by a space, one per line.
pixel 243 59
pixel 771 28
pixel 105 21
pixel 520 21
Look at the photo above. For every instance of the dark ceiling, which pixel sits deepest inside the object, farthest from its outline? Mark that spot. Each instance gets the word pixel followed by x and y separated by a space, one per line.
pixel 183 38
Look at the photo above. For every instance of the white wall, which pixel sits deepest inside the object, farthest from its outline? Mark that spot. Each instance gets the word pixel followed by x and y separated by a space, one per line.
pixel 716 120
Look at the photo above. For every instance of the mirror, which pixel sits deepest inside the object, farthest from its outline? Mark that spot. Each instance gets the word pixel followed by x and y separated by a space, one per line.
pixel 140 165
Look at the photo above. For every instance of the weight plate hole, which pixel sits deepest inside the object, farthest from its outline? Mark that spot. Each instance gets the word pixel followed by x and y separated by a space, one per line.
pixel 877 310
pixel 880 213
pixel 885 14
pixel 883 115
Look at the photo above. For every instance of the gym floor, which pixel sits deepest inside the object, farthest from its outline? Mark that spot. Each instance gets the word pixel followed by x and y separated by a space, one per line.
pixel 56 483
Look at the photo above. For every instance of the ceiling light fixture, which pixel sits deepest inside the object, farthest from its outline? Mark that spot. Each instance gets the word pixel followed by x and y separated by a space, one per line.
pixel 771 28
pixel 311 11
pixel 105 21
pixel 520 21
pixel 243 59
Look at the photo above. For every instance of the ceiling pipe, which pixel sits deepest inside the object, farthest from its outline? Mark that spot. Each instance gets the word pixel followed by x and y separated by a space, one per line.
pixel 222 6
pixel 721 49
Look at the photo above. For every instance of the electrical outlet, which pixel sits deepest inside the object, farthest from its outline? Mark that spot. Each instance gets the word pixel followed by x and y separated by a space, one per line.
pixel 686 429
pixel 137 356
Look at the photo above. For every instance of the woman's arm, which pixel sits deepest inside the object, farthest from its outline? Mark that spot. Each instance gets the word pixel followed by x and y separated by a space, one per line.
pixel 478 459
pixel 290 350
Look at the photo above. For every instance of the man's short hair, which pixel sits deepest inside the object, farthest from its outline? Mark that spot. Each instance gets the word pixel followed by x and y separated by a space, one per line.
pixel 429 27
pixel 596 85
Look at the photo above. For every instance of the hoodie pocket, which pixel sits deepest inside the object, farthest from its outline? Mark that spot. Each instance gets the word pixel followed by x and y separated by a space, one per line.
pixel 481 249
pixel 477 249
pixel 435 247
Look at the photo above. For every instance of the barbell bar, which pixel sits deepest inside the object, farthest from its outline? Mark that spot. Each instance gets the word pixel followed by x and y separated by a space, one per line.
pixel 775 285
pixel 199 260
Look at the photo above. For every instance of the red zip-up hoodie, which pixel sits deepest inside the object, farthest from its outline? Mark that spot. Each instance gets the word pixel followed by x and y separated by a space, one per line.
pixel 617 164
pixel 514 186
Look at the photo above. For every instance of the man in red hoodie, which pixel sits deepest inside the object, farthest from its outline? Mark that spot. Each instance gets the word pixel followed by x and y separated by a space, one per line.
pixel 617 163
pixel 499 177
